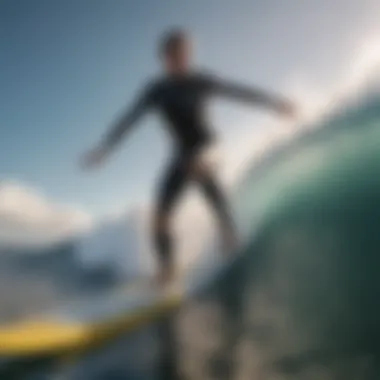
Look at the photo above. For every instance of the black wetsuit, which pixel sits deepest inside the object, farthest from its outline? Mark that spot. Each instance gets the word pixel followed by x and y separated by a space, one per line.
pixel 181 101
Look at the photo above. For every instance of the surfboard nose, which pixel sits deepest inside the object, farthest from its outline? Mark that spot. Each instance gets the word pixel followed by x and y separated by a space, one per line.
pixel 39 337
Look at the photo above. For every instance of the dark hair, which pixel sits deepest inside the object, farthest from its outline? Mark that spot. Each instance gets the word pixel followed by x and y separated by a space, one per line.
pixel 172 40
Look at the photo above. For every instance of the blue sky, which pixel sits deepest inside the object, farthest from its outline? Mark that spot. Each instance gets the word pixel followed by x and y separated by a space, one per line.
pixel 69 66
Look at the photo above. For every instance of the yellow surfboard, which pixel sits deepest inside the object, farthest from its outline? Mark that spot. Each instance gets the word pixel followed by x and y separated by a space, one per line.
pixel 89 322
pixel 93 322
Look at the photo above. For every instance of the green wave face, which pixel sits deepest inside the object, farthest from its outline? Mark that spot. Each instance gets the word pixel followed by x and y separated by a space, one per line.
pixel 313 211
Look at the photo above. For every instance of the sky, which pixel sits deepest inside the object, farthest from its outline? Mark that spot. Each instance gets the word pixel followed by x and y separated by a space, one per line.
pixel 69 67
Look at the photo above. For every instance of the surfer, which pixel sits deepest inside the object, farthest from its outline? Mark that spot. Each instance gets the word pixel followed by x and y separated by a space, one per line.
pixel 180 95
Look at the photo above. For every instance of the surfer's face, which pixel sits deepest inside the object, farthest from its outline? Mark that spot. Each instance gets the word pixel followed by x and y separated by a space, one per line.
pixel 178 59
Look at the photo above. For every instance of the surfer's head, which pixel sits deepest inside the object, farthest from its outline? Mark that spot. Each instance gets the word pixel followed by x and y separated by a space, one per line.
pixel 175 50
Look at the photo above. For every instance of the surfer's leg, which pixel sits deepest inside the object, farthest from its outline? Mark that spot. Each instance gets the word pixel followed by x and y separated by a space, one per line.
pixel 218 201
pixel 169 191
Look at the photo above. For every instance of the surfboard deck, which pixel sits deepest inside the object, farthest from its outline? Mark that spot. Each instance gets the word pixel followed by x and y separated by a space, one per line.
pixel 90 321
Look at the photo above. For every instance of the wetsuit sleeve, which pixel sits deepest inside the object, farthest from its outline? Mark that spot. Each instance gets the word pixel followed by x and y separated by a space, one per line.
pixel 129 118
pixel 244 93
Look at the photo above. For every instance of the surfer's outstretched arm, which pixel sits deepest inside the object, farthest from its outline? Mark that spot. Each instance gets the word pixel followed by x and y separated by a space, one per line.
pixel 127 120
pixel 119 129
pixel 249 94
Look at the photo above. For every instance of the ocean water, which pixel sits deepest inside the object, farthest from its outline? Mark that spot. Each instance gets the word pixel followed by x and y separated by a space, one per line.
pixel 313 274
pixel 301 302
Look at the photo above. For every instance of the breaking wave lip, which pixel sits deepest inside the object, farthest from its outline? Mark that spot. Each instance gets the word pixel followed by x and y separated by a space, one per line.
pixel 349 97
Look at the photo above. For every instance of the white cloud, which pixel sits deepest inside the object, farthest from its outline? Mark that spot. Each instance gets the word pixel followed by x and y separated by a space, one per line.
pixel 28 218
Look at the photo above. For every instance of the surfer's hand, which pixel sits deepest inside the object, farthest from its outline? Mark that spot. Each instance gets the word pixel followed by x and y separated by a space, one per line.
pixel 287 109
pixel 94 158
